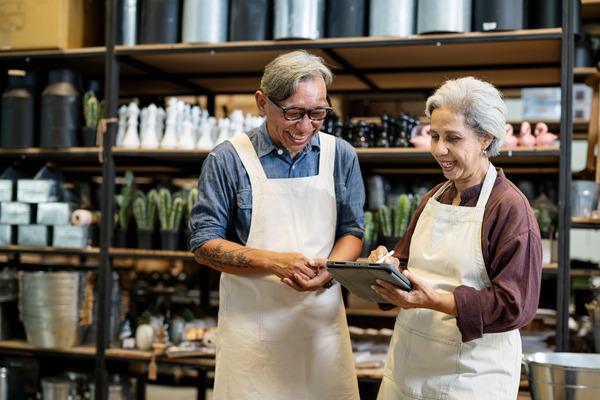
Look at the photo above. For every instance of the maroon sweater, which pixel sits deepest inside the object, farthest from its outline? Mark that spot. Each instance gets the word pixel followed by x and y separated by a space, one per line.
pixel 512 251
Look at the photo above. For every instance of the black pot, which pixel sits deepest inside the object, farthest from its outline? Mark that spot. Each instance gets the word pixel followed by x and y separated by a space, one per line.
pixel 88 136
pixel 120 237
pixel 368 247
pixel 169 239
pixel 145 239
pixel 389 242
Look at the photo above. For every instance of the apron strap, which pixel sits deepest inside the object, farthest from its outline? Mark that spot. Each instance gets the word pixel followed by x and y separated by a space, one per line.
pixel 243 146
pixel 327 156
pixel 488 185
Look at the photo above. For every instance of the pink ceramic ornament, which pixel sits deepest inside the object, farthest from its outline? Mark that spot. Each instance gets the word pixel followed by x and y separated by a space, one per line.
pixel 542 136
pixel 422 139
pixel 526 139
pixel 510 140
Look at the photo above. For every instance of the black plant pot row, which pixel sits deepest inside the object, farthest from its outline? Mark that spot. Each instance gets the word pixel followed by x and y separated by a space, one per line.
pixel 152 239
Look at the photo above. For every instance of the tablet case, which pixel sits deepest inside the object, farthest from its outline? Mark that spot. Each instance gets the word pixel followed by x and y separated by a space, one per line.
pixel 358 277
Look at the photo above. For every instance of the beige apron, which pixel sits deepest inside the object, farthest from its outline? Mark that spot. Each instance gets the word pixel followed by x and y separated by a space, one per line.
pixel 427 358
pixel 274 342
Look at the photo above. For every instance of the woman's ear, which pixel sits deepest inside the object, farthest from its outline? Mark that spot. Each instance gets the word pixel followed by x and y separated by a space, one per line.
pixel 261 102
pixel 487 140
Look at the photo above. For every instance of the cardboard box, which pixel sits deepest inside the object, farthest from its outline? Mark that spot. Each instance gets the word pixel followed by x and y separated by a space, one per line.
pixel 41 24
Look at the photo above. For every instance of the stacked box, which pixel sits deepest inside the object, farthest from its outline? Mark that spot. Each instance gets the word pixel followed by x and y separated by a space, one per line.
pixel 73 237
pixel 16 213
pixel 54 213
pixel 38 190
pixel 34 235
pixel 541 103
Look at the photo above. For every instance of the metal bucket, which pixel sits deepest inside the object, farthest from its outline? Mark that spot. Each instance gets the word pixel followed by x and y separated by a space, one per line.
pixel 557 376
pixel 56 389
pixel 299 19
pixel 443 16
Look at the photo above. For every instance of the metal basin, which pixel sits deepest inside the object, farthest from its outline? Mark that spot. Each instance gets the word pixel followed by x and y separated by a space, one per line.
pixel 562 376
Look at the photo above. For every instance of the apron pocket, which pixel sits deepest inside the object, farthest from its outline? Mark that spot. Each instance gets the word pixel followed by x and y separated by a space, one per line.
pixel 287 315
pixel 430 365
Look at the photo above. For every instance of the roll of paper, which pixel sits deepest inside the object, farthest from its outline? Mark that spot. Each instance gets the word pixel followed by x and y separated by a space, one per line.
pixel 85 217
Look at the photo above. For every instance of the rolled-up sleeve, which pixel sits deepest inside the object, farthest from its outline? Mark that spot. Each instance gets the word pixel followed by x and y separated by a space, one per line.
pixel 211 214
pixel 349 192
pixel 512 251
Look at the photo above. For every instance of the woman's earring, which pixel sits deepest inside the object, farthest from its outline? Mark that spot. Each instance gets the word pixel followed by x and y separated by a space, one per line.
pixel 485 153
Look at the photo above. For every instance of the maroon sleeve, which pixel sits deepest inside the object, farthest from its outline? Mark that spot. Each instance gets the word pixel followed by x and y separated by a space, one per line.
pixel 512 252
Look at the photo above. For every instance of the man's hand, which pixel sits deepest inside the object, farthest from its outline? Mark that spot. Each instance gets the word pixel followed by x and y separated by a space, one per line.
pixel 303 283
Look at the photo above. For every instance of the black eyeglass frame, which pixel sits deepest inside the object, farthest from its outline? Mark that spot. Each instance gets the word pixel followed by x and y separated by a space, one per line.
pixel 304 110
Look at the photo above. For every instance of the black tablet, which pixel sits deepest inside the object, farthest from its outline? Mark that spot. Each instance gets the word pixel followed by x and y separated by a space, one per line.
pixel 358 277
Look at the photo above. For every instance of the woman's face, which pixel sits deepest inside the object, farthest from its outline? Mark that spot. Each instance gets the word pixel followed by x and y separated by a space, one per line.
pixel 294 135
pixel 458 149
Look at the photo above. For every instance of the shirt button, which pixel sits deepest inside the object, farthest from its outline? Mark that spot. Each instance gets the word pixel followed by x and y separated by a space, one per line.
pixel 280 152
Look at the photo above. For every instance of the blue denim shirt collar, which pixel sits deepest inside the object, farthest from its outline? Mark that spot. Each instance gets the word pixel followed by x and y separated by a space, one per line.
pixel 267 146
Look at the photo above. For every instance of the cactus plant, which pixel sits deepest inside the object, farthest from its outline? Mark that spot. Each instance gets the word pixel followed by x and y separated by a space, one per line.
pixel 145 209
pixel 191 198
pixel 385 220
pixel 414 203
pixel 124 201
pixel 170 209
pixel 369 225
pixel 91 109
pixel 402 215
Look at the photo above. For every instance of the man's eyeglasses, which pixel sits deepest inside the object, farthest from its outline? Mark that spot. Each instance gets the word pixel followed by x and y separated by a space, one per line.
pixel 296 113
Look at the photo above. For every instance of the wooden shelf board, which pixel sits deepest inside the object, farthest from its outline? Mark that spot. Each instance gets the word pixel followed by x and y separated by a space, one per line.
pixel 20 345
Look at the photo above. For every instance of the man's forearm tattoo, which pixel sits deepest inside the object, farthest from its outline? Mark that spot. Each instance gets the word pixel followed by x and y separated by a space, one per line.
pixel 220 258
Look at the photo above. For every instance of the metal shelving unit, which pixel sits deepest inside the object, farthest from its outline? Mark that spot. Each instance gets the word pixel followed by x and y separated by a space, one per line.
pixel 365 66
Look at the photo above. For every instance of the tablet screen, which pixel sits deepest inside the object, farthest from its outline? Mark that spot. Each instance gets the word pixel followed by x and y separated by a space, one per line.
pixel 358 277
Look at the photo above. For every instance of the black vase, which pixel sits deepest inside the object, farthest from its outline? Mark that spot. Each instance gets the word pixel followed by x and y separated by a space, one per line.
pixel 60 110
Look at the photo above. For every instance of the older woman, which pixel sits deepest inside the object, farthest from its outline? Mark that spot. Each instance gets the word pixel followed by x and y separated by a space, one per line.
pixel 473 253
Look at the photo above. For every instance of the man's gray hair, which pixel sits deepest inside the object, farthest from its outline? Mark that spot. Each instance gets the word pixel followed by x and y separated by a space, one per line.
pixel 282 75
pixel 479 102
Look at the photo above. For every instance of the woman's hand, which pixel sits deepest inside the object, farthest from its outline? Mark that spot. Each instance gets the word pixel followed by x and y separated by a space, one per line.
pixel 421 295
pixel 381 251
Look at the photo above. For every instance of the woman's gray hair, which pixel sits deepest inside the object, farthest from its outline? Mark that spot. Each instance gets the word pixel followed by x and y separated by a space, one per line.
pixel 479 102
pixel 282 75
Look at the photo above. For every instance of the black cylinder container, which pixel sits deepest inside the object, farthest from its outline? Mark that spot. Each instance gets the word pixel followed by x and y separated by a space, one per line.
pixel 161 21
pixel 251 20
pixel 61 103
pixel 499 15
pixel 18 112
pixel 346 18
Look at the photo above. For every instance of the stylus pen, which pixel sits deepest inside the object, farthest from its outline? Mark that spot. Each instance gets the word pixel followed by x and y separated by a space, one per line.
pixel 382 259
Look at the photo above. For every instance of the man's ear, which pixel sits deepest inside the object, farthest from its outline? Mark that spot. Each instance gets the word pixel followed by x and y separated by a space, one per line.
pixel 261 102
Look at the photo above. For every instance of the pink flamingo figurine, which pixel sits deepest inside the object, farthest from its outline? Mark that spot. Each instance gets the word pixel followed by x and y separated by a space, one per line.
pixel 422 138
pixel 510 140
pixel 526 139
pixel 542 136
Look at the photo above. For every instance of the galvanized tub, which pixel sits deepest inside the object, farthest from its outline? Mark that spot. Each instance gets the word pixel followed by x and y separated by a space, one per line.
pixel 557 376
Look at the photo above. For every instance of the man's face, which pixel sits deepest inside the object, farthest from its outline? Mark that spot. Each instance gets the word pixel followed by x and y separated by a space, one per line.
pixel 294 135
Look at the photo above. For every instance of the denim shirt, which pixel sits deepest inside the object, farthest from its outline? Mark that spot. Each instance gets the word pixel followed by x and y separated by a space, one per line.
pixel 224 206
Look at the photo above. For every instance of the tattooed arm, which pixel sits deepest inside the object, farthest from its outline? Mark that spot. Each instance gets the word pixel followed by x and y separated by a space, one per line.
pixel 226 256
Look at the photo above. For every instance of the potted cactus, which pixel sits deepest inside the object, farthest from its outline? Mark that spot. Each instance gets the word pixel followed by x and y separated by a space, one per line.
pixel 123 211
pixel 393 221
pixel 92 113
pixel 145 212
pixel 170 212
pixel 369 241
pixel 191 198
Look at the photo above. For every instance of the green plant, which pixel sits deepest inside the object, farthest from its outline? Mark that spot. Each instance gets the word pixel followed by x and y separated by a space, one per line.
pixel 192 196
pixel 544 220
pixel 385 220
pixel 369 225
pixel 91 109
pixel 145 209
pixel 170 209
pixel 402 215
pixel 124 201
